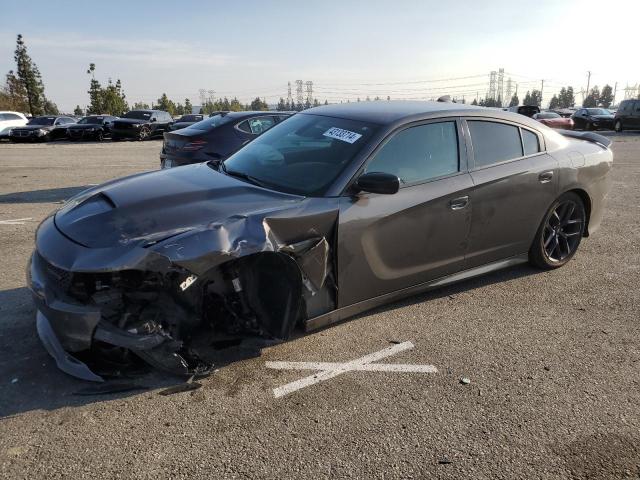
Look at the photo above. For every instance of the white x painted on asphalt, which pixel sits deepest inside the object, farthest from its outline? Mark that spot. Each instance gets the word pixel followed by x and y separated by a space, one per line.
pixel 17 221
pixel 330 370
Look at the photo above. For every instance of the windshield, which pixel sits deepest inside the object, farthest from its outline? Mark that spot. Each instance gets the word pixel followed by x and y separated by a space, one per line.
pixel 547 115
pixel 598 111
pixel 139 115
pixel 302 155
pixel 211 122
pixel 42 121
pixel 90 120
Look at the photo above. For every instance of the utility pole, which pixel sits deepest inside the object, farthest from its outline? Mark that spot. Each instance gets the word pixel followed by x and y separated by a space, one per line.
pixel 615 89
pixel 541 91
pixel 588 83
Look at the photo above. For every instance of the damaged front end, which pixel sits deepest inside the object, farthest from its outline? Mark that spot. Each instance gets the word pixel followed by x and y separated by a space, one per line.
pixel 169 297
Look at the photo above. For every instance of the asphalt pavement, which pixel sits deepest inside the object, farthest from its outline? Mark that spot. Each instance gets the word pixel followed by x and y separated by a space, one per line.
pixel 550 362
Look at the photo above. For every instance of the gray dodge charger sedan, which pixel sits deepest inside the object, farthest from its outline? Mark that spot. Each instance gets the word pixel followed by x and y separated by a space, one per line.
pixel 334 211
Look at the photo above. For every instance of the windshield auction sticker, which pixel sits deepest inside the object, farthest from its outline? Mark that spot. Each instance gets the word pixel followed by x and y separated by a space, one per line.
pixel 344 135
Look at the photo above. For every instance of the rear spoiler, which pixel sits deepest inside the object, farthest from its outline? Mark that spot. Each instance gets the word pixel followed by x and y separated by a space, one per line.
pixel 587 136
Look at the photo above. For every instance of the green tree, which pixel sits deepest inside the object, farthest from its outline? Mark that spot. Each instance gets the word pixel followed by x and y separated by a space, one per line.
pixel 13 96
pixel 593 98
pixel 527 99
pixel 49 108
pixel 78 111
pixel 475 102
pixel 29 77
pixel 163 103
pixel 566 97
pixel 554 103
pixel 258 104
pixel 536 97
pixel 282 106
pixel 235 105
pixel 188 108
pixel 140 106
pixel 95 92
pixel 515 101
pixel 606 96
pixel 326 102
pixel 113 100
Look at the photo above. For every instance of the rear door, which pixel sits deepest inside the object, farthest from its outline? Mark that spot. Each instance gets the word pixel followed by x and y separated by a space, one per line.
pixel 390 242
pixel 515 182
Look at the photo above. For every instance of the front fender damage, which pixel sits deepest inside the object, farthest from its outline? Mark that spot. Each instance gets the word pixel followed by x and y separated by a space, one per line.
pixel 174 302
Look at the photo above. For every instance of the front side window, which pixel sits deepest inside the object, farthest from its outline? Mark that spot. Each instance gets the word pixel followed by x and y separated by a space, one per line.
pixel 303 155
pixel 138 115
pixel 530 142
pixel 42 121
pixel 419 153
pixel 494 142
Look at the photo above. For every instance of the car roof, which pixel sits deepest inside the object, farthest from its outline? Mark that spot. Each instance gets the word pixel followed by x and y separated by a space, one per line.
pixel 385 112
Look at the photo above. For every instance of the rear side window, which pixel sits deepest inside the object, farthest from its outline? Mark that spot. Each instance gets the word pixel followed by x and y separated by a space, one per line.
pixel 419 153
pixel 530 142
pixel 257 125
pixel 637 105
pixel 494 142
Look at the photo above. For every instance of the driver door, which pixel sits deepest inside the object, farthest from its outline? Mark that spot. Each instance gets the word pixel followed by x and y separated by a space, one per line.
pixel 390 242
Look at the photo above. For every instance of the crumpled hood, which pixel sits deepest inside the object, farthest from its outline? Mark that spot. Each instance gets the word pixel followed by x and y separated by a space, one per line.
pixel 150 207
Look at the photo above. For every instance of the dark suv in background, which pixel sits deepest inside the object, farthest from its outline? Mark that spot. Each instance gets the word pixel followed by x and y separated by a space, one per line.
pixel 216 137
pixel 592 118
pixel 141 124
pixel 627 116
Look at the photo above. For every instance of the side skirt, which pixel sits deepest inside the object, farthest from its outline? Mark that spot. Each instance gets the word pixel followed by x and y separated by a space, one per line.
pixel 351 310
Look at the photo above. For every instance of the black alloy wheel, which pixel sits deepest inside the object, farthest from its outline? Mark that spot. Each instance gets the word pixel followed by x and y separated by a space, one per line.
pixel 560 234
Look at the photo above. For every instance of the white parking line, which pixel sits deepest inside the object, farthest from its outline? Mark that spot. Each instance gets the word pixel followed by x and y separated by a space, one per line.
pixel 17 221
pixel 330 370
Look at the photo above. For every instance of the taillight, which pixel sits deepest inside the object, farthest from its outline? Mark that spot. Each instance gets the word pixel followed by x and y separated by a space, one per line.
pixel 195 145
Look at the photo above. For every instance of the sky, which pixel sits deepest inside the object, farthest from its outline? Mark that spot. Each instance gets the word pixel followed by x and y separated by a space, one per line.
pixel 348 49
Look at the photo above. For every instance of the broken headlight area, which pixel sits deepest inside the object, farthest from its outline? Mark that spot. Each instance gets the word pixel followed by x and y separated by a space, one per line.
pixel 178 322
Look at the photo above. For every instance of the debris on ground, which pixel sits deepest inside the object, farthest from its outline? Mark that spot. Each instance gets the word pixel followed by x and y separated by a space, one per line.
pixel 183 387
pixel 465 381
pixel 444 461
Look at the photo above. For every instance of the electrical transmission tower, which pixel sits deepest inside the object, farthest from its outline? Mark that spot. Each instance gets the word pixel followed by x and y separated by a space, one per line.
pixel 299 93
pixel 491 94
pixel 509 91
pixel 309 88
pixel 631 92
pixel 500 86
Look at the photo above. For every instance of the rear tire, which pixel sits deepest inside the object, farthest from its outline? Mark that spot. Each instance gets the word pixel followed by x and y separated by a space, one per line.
pixel 560 233
pixel 618 126
pixel 144 133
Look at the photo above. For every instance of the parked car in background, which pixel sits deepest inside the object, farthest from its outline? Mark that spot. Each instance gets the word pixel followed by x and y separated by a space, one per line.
pixel 627 116
pixel 141 124
pixel 42 129
pixel 526 110
pixel 592 119
pixel 334 211
pixel 93 127
pixel 8 120
pixel 186 121
pixel 216 137
pixel 554 120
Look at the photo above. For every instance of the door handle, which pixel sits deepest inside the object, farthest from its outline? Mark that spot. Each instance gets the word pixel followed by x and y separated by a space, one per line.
pixel 545 177
pixel 459 203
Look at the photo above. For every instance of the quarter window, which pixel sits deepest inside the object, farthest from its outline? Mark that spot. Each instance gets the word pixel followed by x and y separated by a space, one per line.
pixel 530 142
pixel 494 142
pixel 419 153
pixel 257 125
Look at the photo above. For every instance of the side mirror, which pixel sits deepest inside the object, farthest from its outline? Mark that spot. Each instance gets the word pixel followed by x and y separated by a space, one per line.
pixel 153 119
pixel 378 182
